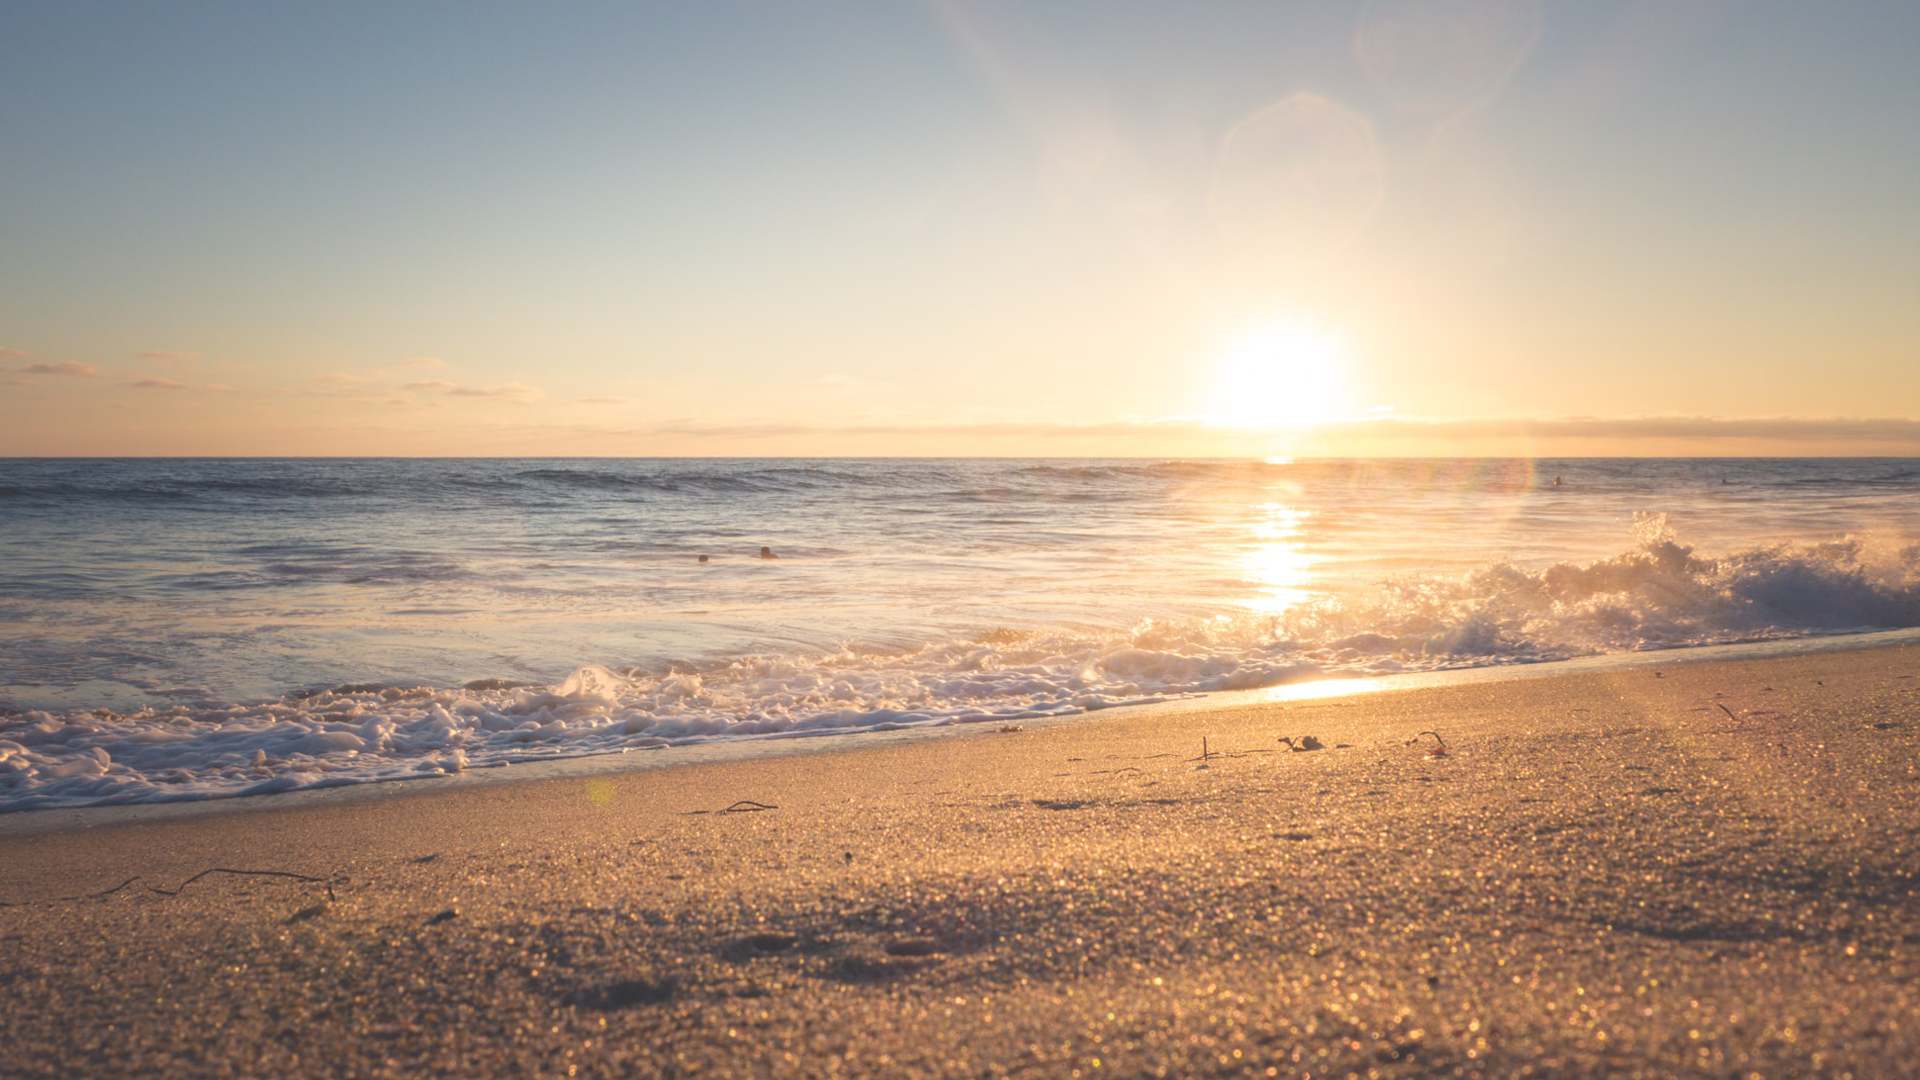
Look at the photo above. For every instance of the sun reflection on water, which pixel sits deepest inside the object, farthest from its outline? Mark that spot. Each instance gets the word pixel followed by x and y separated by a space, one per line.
pixel 1277 563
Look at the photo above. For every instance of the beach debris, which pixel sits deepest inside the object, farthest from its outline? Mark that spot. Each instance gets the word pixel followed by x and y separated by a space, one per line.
pixel 1008 729
pixel 705 558
pixel 101 895
pixel 424 859
pixel 445 916
pixel 1728 711
pixel 1439 748
pixel 211 870
pixel 1303 744
pixel 744 806
pixel 178 889
pixel 1206 755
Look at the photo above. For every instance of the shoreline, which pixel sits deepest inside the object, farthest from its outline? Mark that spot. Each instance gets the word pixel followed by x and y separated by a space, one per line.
pixel 57 819
pixel 1690 869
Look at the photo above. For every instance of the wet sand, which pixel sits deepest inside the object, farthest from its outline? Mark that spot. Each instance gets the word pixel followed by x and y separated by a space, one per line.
pixel 1710 868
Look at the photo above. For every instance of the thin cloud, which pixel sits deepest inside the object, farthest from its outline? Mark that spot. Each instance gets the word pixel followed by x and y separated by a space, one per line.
pixel 340 378
pixel 424 363
pixel 512 391
pixel 1779 429
pixel 157 384
pixel 64 367
pixel 168 356
pixel 10 353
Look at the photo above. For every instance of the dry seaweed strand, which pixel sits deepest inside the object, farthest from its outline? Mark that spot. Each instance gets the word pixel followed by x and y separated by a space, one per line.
pixel 177 889
pixel 1440 745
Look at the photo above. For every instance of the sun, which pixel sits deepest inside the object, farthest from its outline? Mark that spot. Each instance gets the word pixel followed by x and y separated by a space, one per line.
pixel 1281 375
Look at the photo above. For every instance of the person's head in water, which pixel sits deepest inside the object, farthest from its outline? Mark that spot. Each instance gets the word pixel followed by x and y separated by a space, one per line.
pixel 767 553
pixel 703 558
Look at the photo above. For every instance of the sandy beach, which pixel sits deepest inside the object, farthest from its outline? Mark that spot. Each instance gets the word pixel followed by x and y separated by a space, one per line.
pixel 1700 868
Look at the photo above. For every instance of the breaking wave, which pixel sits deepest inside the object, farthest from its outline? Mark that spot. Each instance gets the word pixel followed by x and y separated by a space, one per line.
pixel 1660 593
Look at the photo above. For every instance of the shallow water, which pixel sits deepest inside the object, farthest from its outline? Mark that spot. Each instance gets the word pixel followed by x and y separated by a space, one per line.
pixel 192 628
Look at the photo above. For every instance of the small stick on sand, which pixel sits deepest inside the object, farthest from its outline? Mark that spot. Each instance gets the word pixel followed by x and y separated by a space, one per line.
pixel 1440 744
pixel 1728 711
pixel 1205 754
pixel 748 806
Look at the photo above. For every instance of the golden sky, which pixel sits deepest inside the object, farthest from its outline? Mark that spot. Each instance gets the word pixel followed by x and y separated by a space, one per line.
pixel 1449 228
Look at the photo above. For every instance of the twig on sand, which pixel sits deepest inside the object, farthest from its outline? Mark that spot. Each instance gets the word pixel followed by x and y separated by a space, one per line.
pixel 1728 711
pixel 1439 747
pixel 1303 744
pixel 744 806
pixel 1206 754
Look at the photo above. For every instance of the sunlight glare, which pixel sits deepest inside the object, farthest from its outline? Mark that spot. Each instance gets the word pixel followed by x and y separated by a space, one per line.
pixel 1280 375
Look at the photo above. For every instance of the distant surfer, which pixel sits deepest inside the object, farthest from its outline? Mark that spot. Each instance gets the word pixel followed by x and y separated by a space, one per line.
pixel 703 558
pixel 1556 481
pixel 767 553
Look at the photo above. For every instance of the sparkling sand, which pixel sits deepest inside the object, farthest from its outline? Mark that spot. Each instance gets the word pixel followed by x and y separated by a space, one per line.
pixel 1706 867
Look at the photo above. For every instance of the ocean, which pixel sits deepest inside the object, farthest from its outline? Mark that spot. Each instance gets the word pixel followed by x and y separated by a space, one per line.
pixel 195 628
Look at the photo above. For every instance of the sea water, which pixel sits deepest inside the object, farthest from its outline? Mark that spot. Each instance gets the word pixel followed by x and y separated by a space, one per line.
pixel 183 629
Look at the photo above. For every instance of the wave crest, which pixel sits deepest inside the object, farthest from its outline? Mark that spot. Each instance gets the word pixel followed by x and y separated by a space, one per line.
pixel 1657 594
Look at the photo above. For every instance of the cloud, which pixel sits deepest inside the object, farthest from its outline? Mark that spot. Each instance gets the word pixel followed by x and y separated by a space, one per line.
pixel 1780 428
pixel 166 356
pixel 8 353
pixel 1765 429
pixel 157 384
pixel 64 367
pixel 424 363
pixel 340 378
pixel 512 391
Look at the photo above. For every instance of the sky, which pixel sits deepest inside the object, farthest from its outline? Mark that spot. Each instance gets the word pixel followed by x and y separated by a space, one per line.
pixel 880 228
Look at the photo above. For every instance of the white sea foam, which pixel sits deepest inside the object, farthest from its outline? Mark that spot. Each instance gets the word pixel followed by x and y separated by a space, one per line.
pixel 1661 593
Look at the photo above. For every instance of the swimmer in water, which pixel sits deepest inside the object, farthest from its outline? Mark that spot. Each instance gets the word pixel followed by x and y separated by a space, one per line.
pixel 767 553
